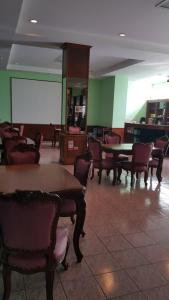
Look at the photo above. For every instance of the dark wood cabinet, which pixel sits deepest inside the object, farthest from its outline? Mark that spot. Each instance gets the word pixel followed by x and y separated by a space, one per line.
pixel 158 112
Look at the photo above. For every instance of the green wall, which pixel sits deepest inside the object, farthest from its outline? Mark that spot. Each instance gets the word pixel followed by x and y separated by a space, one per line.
pixel 107 101
pixel 5 97
pixel 120 101
pixel 94 100
pixel 106 97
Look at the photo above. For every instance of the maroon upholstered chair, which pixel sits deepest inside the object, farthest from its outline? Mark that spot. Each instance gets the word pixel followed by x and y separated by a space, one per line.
pixel 140 160
pixel 81 172
pixel 31 240
pixel 9 144
pixel 114 138
pixel 99 163
pixel 23 154
pixel 157 156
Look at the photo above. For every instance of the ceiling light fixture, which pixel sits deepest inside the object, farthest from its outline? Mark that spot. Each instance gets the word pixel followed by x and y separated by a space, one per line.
pixel 33 21
pixel 122 34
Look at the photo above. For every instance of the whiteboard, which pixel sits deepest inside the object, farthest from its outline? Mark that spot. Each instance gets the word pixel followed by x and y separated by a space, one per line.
pixel 35 102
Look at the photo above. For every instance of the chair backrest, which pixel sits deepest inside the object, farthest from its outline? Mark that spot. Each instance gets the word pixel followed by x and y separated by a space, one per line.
pixel 23 154
pixel 141 153
pixel 95 148
pixel 112 138
pixel 28 221
pixel 73 129
pixel 81 167
pixel 9 133
pixel 162 143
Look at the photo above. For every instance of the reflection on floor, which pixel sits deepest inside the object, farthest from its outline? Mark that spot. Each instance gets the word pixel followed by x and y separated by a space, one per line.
pixel 126 247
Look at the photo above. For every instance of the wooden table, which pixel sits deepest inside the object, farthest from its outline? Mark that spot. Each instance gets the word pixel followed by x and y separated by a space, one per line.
pixel 123 148
pixel 47 178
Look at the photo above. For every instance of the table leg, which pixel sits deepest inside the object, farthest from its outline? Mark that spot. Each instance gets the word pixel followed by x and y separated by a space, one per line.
pixel 80 218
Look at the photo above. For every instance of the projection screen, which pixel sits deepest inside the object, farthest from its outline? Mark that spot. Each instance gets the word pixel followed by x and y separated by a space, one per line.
pixel 35 101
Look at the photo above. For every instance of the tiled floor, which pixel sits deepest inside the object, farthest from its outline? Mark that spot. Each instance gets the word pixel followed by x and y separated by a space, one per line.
pixel 126 247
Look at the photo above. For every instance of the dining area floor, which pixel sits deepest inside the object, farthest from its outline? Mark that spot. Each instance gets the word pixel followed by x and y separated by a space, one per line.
pixel 126 246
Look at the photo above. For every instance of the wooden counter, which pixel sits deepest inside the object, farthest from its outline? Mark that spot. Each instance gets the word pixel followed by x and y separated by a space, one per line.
pixel 135 132
pixel 71 145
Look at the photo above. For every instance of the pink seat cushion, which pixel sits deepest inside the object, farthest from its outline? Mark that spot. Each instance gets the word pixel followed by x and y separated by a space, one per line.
pixel 68 208
pixel 61 243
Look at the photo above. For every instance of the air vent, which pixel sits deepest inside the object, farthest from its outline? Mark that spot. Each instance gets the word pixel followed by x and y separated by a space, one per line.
pixel 163 4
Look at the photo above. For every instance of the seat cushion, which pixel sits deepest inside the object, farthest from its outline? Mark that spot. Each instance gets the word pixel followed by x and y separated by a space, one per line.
pixel 61 243
pixel 68 208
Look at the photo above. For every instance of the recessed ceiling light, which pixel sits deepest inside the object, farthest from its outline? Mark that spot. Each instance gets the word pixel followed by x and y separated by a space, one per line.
pixel 122 34
pixel 34 21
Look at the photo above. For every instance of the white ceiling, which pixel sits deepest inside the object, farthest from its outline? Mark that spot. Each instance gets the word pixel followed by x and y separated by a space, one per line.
pixel 143 52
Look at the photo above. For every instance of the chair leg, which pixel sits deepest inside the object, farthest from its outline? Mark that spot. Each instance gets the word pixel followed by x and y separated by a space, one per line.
pixel 7 282
pixel 72 219
pixel 132 178
pixel 49 284
pixel 92 174
pixel 100 176
pixel 151 171
pixel 145 177
pixel 119 175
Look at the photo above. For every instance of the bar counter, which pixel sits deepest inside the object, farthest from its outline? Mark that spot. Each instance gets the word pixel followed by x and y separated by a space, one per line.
pixel 136 132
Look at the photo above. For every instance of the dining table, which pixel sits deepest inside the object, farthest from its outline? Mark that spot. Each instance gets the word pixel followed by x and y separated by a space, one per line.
pixel 47 178
pixel 126 148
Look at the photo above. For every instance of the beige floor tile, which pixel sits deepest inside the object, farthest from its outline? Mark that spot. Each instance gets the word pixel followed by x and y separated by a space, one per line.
pixel 129 258
pixel 17 295
pixel 83 289
pixel 116 242
pixel 139 239
pixel 154 253
pixel 146 277
pixel 92 246
pixel 102 263
pixel 135 296
pixel 163 267
pixel 116 284
pixel 76 271
pixel 161 293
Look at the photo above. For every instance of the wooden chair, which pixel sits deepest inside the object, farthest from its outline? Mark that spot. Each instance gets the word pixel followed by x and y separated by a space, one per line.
pixel 140 161
pixel 31 240
pixel 81 172
pixel 23 154
pixel 9 144
pixel 99 162
pixel 114 138
pixel 157 156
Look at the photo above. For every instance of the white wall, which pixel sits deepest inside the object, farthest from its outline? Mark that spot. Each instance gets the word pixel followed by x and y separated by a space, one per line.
pixel 139 91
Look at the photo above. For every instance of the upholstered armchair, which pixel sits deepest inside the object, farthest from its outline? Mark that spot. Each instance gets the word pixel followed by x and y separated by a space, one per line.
pixel 113 139
pixel 23 154
pixel 31 240
pixel 157 156
pixel 81 172
pixel 100 163
pixel 140 161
